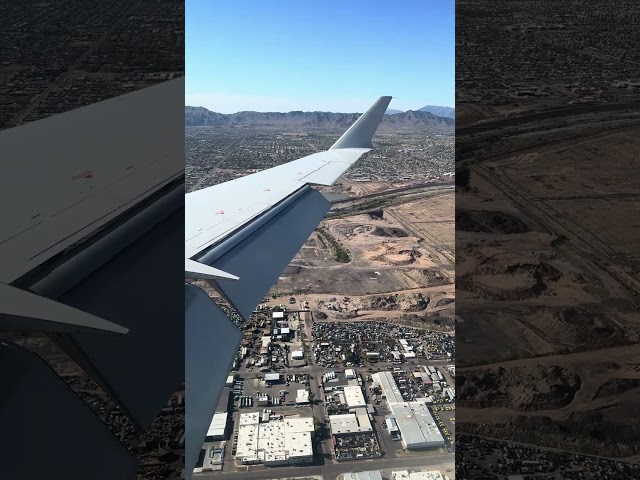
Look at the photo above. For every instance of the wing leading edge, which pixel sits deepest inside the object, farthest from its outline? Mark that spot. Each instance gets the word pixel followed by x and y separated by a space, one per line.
pixel 240 236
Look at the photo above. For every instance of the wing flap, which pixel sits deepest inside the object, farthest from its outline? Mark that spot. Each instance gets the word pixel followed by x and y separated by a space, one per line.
pixel 49 431
pixel 211 343
pixel 196 270
pixel 140 370
pixel 262 256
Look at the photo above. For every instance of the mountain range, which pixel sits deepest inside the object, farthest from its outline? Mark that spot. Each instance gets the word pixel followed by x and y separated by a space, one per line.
pixel 422 120
pixel 440 111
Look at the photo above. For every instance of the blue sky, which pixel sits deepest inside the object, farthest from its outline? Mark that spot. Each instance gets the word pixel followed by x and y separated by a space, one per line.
pixel 329 55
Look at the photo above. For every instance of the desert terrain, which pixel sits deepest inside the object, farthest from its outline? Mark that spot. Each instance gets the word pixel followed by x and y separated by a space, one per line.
pixel 548 285
pixel 396 262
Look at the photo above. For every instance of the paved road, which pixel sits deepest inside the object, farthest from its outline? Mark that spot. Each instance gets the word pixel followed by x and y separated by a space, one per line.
pixel 540 116
pixel 331 471
pixel 392 191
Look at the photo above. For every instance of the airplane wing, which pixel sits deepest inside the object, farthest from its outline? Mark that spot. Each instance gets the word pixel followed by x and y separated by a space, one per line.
pixel 90 168
pixel 250 228
pixel 90 253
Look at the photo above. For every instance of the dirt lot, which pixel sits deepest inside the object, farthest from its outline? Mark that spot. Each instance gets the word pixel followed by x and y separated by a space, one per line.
pixel 408 304
pixel 433 220
pixel 548 275
pixel 386 254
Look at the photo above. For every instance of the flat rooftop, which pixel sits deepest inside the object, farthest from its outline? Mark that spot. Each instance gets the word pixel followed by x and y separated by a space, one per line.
pixel 370 475
pixel 277 440
pixel 350 423
pixel 353 396
pixel 218 425
pixel 389 387
pixel 416 424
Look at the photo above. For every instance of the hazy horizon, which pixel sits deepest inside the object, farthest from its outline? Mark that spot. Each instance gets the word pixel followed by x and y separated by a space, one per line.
pixel 304 111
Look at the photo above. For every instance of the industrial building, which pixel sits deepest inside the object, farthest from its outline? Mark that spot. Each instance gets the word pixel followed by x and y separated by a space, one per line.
pixel 392 426
pixel 297 355
pixel 273 443
pixel 217 429
pixel 272 377
pixel 417 427
pixel 302 396
pixel 370 475
pixel 353 396
pixel 350 423
pixel 406 475
pixel 387 384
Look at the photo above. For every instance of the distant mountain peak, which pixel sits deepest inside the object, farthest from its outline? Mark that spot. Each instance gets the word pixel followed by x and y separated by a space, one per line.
pixel 447 112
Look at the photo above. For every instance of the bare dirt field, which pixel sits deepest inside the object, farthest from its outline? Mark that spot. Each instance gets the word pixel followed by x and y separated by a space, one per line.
pixel 387 253
pixel 418 302
pixel 549 278
pixel 433 220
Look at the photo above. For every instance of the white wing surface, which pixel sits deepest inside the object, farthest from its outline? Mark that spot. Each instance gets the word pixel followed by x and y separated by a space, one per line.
pixel 215 212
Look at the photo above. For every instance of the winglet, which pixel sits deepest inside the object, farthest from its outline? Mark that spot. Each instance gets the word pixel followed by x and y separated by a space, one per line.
pixel 24 311
pixel 199 271
pixel 362 131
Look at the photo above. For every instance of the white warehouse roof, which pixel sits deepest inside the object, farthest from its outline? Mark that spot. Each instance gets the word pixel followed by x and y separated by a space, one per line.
pixel 417 426
pixel 388 386
pixel 218 425
pixel 274 441
pixel 349 423
pixel 353 396
pixel 371 475
pixel 302 396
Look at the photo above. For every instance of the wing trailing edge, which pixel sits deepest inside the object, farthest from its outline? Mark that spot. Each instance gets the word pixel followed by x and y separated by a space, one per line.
pixel 199 271
pixel 261 256
pixel 211 343
pixel 35 402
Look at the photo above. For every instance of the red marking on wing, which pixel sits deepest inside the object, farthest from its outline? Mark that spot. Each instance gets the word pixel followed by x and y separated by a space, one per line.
pixel 221 212
pixel 85 174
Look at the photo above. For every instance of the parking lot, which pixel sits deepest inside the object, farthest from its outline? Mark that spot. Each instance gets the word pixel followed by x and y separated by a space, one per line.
pixel 445 417
pixel 254 384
